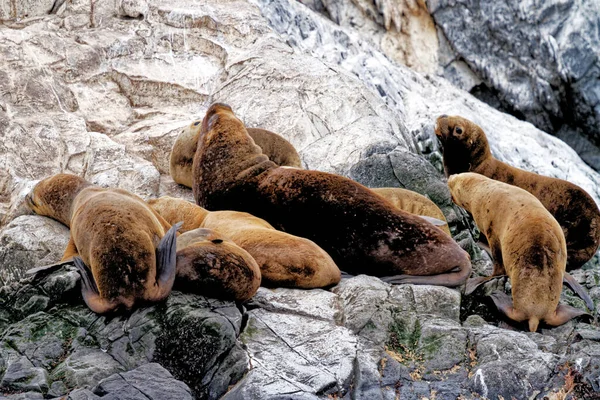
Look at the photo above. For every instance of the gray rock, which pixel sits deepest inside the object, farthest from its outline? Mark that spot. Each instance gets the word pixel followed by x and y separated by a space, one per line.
pixel 150 381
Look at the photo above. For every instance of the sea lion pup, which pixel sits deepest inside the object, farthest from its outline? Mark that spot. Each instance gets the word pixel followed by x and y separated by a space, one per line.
pixel 466 149
pixel 279 150
pixel 129 248
pixel 360 230
pixel 284 259
pixel 210 264
pixel 527 244
pixel 416 204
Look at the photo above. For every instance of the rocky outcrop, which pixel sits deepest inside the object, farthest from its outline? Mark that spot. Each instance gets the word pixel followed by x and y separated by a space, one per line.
pixel 102 89
pixel 361 339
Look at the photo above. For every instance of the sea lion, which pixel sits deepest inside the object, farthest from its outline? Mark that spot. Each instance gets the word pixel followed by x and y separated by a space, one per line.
pixel 284 259
pixel 527 244
pixel 279 150
pixel 361 231
pixel 466 149
pixel 416 204
pixel 210 264
pixel 129 248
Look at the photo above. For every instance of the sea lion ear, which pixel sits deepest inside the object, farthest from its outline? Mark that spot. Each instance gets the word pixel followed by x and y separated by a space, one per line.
pixel 212 121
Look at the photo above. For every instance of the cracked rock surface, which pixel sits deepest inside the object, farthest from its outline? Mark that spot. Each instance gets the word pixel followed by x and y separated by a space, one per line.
pixel 102 88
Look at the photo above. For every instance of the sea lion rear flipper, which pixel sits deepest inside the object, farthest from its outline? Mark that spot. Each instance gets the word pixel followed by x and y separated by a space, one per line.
pixel 474 283
pixel 48 268
pixel 433 221
pixel 505 305
pixel 579 290
pixel 165 262
pixel 449 279
pixel 563 314
pixel 89 290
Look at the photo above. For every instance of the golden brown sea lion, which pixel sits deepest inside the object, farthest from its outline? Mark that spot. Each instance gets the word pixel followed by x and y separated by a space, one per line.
pixel 210 264
pixel 466 149
pixel 361 231
pixel 284 259
pixel 279 150
pixel 527 244
pixel 128 246
pixel 416 204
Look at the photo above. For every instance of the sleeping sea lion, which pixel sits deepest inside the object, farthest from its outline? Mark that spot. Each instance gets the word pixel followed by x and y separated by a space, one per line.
pixel 279 150
pixel 416 204
pixel 284 259
pixel 123 250
pixel 527 244
pixel 210 264
pixel 361 231
pixel 466 149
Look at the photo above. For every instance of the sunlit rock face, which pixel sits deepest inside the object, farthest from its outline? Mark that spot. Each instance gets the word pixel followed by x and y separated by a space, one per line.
pixel 102 89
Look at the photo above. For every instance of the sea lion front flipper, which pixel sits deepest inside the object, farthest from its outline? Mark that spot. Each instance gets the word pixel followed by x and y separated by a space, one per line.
pixel 579 290
pixel 563 314
pixel 474 283
pixel 89 290
pixel 48 268
pixel 452 278
pixel 165 262
pixel 433 221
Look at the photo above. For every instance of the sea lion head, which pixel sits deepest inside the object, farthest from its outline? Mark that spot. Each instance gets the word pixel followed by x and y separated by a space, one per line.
pixel 464 143
pixel 460 184
pixel 214 114
pixel 53 196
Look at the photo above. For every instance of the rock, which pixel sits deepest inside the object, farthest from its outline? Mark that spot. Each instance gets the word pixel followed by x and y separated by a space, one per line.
pixel 30 241
pixel 62 341
pixel 150 381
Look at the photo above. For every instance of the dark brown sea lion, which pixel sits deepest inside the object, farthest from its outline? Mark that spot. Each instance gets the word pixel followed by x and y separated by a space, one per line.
pixel 129 248
pixel 210 264
pixel 279 150
pixel 284 259
pixel 416 204
pixel 361 231
pixel 466 149
pixel 527 244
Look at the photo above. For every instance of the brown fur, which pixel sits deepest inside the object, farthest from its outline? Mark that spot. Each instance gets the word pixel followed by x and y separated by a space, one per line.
pixel 360 230
pixel 527 243
pixel 279 150
pixel 573 208
pixel 113 231
pixel 284 259
pixel 212 265
pixel 414 203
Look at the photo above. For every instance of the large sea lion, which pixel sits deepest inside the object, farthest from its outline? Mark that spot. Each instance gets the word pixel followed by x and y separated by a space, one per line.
pixel 466 149
pixel 279 150
pixel 210 264
pixel 361 231
pixel 284 259
pixel 414 203
pixel 129 248
pixel 527 244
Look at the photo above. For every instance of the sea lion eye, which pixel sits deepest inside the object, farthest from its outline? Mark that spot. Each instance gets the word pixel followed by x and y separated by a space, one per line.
pixel 196 123
pixel 458 130
pixel 217 241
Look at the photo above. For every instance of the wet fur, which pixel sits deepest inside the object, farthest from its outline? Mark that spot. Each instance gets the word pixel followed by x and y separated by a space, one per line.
pixel 574 209
pixel 527 243
pixel 362 232
pixel 279 150
pixel 284 259
pixel 113 231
